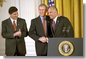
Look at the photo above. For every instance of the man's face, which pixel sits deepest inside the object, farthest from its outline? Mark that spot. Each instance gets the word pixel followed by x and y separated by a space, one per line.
pixel 42 11
pixel 52 13
pixel 14 15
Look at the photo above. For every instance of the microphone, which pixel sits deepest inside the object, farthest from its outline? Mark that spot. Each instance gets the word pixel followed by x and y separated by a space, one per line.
pixel 68 29
pixel 64 34
pixel 64 29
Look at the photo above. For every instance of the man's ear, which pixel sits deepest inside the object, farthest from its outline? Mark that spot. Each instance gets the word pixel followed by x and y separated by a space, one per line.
pixel 9 14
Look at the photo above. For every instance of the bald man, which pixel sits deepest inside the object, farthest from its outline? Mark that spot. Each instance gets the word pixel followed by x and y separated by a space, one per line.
pixel 60 26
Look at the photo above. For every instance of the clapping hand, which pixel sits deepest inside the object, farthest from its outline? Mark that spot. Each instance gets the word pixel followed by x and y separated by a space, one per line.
pixel 18 33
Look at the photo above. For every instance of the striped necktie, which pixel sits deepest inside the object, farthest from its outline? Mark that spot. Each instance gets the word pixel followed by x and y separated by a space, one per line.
pixel 44 25
pixel 53 26
pixel 14 25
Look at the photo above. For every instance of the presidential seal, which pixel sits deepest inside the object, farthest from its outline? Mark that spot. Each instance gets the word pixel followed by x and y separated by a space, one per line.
pixel 66 48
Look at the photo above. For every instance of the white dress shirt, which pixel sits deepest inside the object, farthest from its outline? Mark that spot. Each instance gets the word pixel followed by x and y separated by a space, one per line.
pixel 15 23
pixel 13 20
pixel 55 19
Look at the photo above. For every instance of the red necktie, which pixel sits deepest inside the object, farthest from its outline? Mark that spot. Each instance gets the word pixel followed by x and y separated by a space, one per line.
pixel 14 25
pixel 44 25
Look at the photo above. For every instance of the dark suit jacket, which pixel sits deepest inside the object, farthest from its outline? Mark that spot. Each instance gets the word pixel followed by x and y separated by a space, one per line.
pixel 11 41
pixel 63 28
pixel 36 31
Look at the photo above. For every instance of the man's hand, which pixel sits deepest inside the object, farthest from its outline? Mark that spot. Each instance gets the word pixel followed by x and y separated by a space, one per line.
pixel 18 33
pixel 43 39
pixel 59 15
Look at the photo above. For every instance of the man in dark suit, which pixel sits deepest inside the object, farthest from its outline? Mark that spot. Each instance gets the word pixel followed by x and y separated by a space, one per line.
pixel 39 30
pixel 14 30
pixel 60 26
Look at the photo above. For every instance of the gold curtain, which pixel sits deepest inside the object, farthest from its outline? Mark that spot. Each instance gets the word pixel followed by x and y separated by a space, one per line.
pixel 73 10
pixel 1 3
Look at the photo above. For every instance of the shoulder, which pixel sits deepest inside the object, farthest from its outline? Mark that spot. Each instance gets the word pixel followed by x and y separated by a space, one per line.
pixel 21 19
pixel 4 21
pixel 63 18
pixel 36 19
pixel 47 16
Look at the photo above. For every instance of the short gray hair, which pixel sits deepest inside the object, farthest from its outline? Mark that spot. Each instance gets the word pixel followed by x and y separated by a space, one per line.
pixel 55 8
pixel 43 5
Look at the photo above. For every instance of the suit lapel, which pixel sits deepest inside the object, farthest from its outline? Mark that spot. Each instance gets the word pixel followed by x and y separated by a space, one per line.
pixel 10 24
pixel 40 25
pixel 47 23
pixel 18 24
pixel 52 26
pixel 57 23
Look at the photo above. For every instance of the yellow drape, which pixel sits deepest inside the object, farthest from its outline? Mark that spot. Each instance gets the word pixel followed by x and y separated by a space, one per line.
pixel 1 3
pixel 59 6
pixel 81 6
pixel 76 18
pixel 46 3
pixel 73 10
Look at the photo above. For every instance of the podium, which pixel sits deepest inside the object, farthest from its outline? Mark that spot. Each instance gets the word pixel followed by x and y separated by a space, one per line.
pixel 65 47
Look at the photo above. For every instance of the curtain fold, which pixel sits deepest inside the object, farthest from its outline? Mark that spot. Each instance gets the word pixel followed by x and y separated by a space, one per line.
pixel 81 6
pixel 76 19
pixel 59 5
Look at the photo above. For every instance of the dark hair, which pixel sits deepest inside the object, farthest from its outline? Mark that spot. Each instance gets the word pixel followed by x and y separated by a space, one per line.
pixel 12 9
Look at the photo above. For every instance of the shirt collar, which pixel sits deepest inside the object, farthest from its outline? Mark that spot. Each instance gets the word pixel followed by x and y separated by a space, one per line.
pixel 55 19
pixel 13 20
pixel 42 17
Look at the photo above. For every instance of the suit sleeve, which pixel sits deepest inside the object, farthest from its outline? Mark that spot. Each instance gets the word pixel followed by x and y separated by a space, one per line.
pixel 24 30
pixel 69 28
pixel 32 31
pixel 4 33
